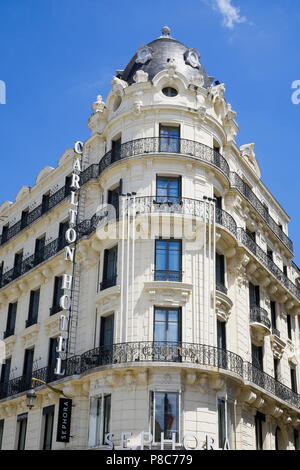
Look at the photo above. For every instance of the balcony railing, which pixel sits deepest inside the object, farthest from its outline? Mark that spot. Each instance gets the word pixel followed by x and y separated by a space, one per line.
pixel 221 288
pixel 149 351
pixel 237 183
pixel 269 264
pixel 153 145
pixel 167 275
pixel 259 315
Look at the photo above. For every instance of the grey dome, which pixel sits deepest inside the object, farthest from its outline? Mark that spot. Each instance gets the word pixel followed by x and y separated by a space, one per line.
pixel 162 49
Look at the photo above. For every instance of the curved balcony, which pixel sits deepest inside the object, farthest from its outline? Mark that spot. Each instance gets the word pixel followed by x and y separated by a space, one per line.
pixel 259 320
pixel 146 146
pixel 267 262
pixel 237 183
pixel 158 352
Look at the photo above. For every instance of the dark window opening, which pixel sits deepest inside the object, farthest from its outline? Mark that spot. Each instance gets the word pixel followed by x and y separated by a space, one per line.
pixel 18 264
pixel 63 227
pixel 257 356
pixel 48 416
pixel 4 234
pixel 57 294
pixel 294 380
pixel 254 295
pixel 220 272
pixel 27 367
pixel 45 203
pixel 169 91
pixel 33 307
pixel 22 428
pixel 116 150
pixel 110 268
pixel 53 354
pixel 24 219
pixel 289 326
pixel 11 320
pixel 165 409
pixel 107 330
pixel 259 419
pixel 39 252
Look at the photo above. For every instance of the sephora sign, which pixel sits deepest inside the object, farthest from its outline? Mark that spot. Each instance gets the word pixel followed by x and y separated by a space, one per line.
pixel 69 255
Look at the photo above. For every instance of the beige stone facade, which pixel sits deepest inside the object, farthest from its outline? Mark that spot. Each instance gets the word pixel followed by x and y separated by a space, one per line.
pixel 217 365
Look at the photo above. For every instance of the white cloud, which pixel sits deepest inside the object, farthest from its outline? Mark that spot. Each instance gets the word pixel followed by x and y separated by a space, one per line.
pixel 231 14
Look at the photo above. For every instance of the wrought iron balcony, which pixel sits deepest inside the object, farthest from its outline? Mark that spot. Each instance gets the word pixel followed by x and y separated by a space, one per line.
pixel 269 264
pixel 237 183
pixel 259 316
pixel 167 275
pixel 221 288
pixel 149 351
pixel 106 283
pixel 9 332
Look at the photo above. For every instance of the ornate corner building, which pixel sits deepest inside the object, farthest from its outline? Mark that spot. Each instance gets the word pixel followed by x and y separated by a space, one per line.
pixel 185 299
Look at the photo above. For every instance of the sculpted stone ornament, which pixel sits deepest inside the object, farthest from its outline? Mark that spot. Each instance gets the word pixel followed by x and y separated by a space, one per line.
pixel 140 76
pixel 191 57
pixel 99 105
pixel 143 54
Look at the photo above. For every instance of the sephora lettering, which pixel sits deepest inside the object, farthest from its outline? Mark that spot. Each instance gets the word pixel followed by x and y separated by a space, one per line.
pixel 69 255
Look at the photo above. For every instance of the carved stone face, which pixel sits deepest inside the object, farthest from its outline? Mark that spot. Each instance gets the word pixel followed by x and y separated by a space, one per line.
pixel 144 53
pixel 192 58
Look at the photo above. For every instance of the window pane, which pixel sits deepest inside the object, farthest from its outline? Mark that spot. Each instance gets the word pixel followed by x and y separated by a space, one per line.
pixel 95 421
pixel 221 422
pixel 166 415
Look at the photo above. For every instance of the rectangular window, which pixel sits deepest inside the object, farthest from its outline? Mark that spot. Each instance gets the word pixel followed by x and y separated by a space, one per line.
pixel 45 203
pixel 1 432
pixel 24 219
pixel 5 373
pixel 251 235
pixel 21 430
pixel 99 420
pixel 168 189
pixel 165 415
pixel 107 331
pixel 39 251
pixel 11 320
pixel 28 366
pixel 63 227
pixel 289 326
pixel 167 325
pixel 116 150
pixel 4 234
pixel 1 271
pixel 113 197
pixel 296 439
pixel 270 254
pixel 57 294
pixel 168 260
pixel 226 424
pixel 273 314
pixel 276 369
pixel 33 307
pixel 68 182
pixel 169 139
pixel 220 272
pixel 294 380
pixel 110 268
pixel 18 264
pixel 259 419
pixel 257 356
pixel 219 202
pixel 254 295
pixel 53 354
pixel 48 419
pixel 221 334
pixel 285 270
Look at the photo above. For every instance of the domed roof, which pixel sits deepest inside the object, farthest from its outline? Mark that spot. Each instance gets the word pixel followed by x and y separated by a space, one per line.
pixel 154 57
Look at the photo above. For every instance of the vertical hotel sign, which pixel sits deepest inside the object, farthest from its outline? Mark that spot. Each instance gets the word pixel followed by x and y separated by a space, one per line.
pixel 69 255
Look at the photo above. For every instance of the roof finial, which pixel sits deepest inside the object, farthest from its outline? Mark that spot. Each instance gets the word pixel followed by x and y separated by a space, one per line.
pixel 166 32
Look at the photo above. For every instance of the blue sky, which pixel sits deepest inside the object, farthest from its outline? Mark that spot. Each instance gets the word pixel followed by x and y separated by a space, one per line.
pixel 58 55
